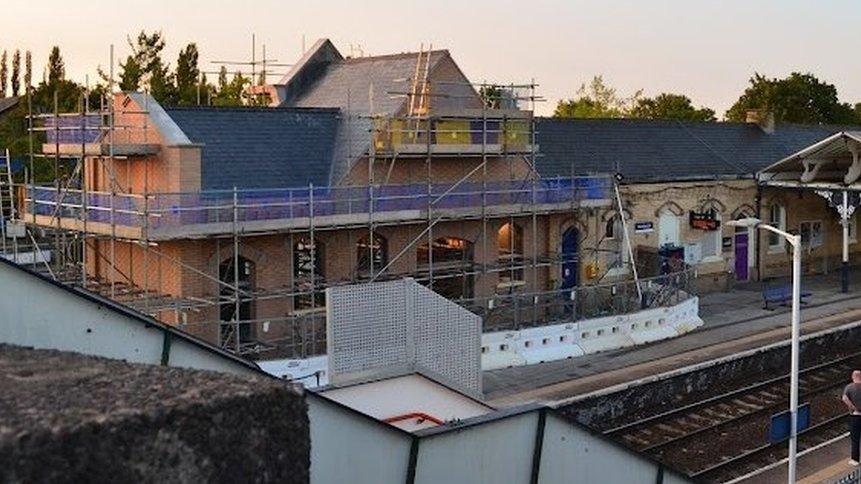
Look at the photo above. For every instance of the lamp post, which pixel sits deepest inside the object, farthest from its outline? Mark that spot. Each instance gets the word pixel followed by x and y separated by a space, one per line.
pixel 795 242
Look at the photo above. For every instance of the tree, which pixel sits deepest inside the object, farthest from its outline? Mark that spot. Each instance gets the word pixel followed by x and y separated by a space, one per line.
pixel 28 70
pixel 231 93
pixel 130 74
pixel 16 73
pixel 144 68
pixel 670 106
pixel 187 75
pixel 4 74
pixel 596 101
pixel 56 66
pixel 798 98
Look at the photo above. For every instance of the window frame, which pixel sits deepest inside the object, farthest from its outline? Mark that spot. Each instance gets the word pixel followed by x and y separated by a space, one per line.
pixel 775 242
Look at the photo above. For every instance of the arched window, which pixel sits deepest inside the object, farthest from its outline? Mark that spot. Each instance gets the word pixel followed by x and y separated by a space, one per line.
pixel 777 219
pixel 371 255
pixel 308 274
pixel 227 274
pixel 712 243
pixel 509 240
pixel 451 259
pixel 613 229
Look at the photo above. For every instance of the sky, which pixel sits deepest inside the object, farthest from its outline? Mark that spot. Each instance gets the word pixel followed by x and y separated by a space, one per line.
pixel 705 49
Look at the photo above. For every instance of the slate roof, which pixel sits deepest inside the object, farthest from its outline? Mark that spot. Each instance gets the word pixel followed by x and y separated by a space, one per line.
pixel 346 84
pixel 664 150
pixel 7 103
pixel 261 147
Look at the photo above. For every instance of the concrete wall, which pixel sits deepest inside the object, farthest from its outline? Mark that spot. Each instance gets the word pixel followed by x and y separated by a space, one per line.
pixel 609 408
pixel 74 418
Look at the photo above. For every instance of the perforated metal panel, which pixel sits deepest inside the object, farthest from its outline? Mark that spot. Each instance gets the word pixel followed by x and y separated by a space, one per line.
pixel 448 340
pixel 397 327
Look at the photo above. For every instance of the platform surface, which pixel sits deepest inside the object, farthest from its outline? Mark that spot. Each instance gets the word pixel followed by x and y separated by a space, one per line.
pixel 734 322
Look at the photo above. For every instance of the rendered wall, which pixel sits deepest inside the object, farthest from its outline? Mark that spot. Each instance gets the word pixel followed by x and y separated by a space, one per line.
pixel 497 451
pixel 40 314
pixel 346 447
pixel 572 454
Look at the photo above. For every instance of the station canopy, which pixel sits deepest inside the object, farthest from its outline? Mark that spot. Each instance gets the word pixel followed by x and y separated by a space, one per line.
pixel 833 163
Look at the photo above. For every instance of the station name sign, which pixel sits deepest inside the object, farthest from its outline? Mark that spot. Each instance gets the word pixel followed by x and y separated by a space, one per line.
pixel 643 227
pixel 704 220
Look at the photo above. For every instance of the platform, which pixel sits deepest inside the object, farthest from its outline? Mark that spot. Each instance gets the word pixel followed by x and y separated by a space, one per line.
pixel 734 322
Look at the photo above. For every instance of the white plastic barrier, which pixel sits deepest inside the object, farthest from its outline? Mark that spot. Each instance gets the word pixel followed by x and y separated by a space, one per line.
pixel 528 346
pixel 550 343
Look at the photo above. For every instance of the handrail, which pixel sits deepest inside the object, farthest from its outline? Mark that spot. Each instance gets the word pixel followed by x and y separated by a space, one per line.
pixel 176 209
pixel 416 415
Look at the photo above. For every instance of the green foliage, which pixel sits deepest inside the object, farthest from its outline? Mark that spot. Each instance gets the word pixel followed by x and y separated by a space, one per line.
pixel 16 73
pixel 130 74
pixel 4 74
pixel 145 69
pixel 596 101
pixel 670 106
pixel 231 93
pixel 187 75
pixel 28 70
pixel 798 98
pixel 56 66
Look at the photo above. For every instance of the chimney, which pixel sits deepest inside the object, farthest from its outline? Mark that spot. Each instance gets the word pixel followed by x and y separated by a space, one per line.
pixel 762 118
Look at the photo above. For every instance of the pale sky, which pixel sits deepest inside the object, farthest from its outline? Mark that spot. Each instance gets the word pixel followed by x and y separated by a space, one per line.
pixel 705 49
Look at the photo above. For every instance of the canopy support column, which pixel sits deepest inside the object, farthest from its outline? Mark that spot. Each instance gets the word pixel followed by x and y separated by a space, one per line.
pixel 844 221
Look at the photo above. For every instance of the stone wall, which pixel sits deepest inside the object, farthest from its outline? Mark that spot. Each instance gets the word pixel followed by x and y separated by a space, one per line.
pixel 66 417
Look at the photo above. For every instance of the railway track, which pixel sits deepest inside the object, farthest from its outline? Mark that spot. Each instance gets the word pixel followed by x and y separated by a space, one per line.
pixel 724 436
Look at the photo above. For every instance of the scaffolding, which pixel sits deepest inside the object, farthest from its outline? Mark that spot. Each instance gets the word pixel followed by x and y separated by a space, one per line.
pixel 87 225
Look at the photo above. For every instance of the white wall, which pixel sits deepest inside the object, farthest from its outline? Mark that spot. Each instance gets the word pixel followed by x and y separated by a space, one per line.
pixel 38 313
pixel 493 452
pixel 346 447
pixel 573 455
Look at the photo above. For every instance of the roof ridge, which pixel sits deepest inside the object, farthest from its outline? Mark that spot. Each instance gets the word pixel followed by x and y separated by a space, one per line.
pixel 400 55
pixel 252 108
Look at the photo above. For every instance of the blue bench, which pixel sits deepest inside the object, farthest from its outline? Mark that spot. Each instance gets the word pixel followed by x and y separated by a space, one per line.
pixel 781 295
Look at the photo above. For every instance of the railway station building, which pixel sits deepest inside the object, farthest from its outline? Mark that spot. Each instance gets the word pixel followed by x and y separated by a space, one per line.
pixel 680 180
pixel 232 223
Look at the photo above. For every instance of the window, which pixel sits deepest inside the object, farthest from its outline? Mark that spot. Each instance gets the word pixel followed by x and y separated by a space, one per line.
pixel 371 255
pixel 777 219
pixel 509 240
pixel 228 275
pixel 614 233
pixel 668 229
pixel 712 241
pixel 811 234
pixel 452 258
pixel 613 230
pixel 308 273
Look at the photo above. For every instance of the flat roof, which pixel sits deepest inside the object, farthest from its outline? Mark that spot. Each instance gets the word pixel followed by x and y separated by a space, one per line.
pixel 410 402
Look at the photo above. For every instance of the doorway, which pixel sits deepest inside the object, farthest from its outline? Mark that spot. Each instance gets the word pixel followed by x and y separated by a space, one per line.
pixel 570 258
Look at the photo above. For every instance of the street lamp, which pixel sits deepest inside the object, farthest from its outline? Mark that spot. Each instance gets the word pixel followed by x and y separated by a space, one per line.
pixel 795 242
